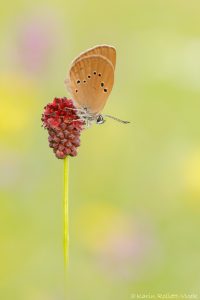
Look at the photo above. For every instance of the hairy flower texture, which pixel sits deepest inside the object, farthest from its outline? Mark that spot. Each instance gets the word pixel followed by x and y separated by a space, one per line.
pixel 61 120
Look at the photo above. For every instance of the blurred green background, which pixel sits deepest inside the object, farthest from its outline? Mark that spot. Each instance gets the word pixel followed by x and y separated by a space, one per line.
pixel 135 189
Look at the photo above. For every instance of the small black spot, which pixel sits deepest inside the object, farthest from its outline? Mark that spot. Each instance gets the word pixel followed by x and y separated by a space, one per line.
pixel 84 81
pixel 102 84
pixel 95 72
pixel 89 76
pixel 105 90
pixel 76 91
pixel 78 81
pixel 99 74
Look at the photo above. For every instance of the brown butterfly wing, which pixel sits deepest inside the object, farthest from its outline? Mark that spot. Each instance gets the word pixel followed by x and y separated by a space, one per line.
pixel 90 82
pixel 104 50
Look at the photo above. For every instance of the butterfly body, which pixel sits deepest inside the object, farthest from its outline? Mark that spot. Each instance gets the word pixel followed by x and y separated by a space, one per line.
pixel 88 117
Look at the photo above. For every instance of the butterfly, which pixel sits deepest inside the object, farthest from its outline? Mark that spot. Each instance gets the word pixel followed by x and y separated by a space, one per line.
pixel 90 82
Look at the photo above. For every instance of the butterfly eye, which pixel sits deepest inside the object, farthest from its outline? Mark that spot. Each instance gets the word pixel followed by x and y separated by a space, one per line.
pixel 105 90
pixel 99 74
pixel 100 119
pixel 89 76
pixel 102 84
pixel 84 81
pixel 78 81
pixel 76 91
pixel 95 72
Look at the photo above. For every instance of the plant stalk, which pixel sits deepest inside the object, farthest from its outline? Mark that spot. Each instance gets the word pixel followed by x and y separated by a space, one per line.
pixel 66 214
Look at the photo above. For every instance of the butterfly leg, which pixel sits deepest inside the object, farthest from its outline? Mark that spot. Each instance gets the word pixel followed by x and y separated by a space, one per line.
pixel 74 120
pixel 75 109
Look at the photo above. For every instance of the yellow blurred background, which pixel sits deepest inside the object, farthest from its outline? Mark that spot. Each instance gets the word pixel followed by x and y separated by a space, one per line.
pixel 134 189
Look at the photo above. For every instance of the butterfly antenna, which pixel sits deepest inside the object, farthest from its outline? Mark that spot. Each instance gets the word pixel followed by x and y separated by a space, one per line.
pixel 116 119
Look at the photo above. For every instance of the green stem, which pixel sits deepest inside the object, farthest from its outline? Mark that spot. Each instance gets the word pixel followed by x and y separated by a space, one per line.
pixel 65 216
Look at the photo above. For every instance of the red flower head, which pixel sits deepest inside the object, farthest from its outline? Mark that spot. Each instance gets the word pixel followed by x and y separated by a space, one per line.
pixel 64 126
